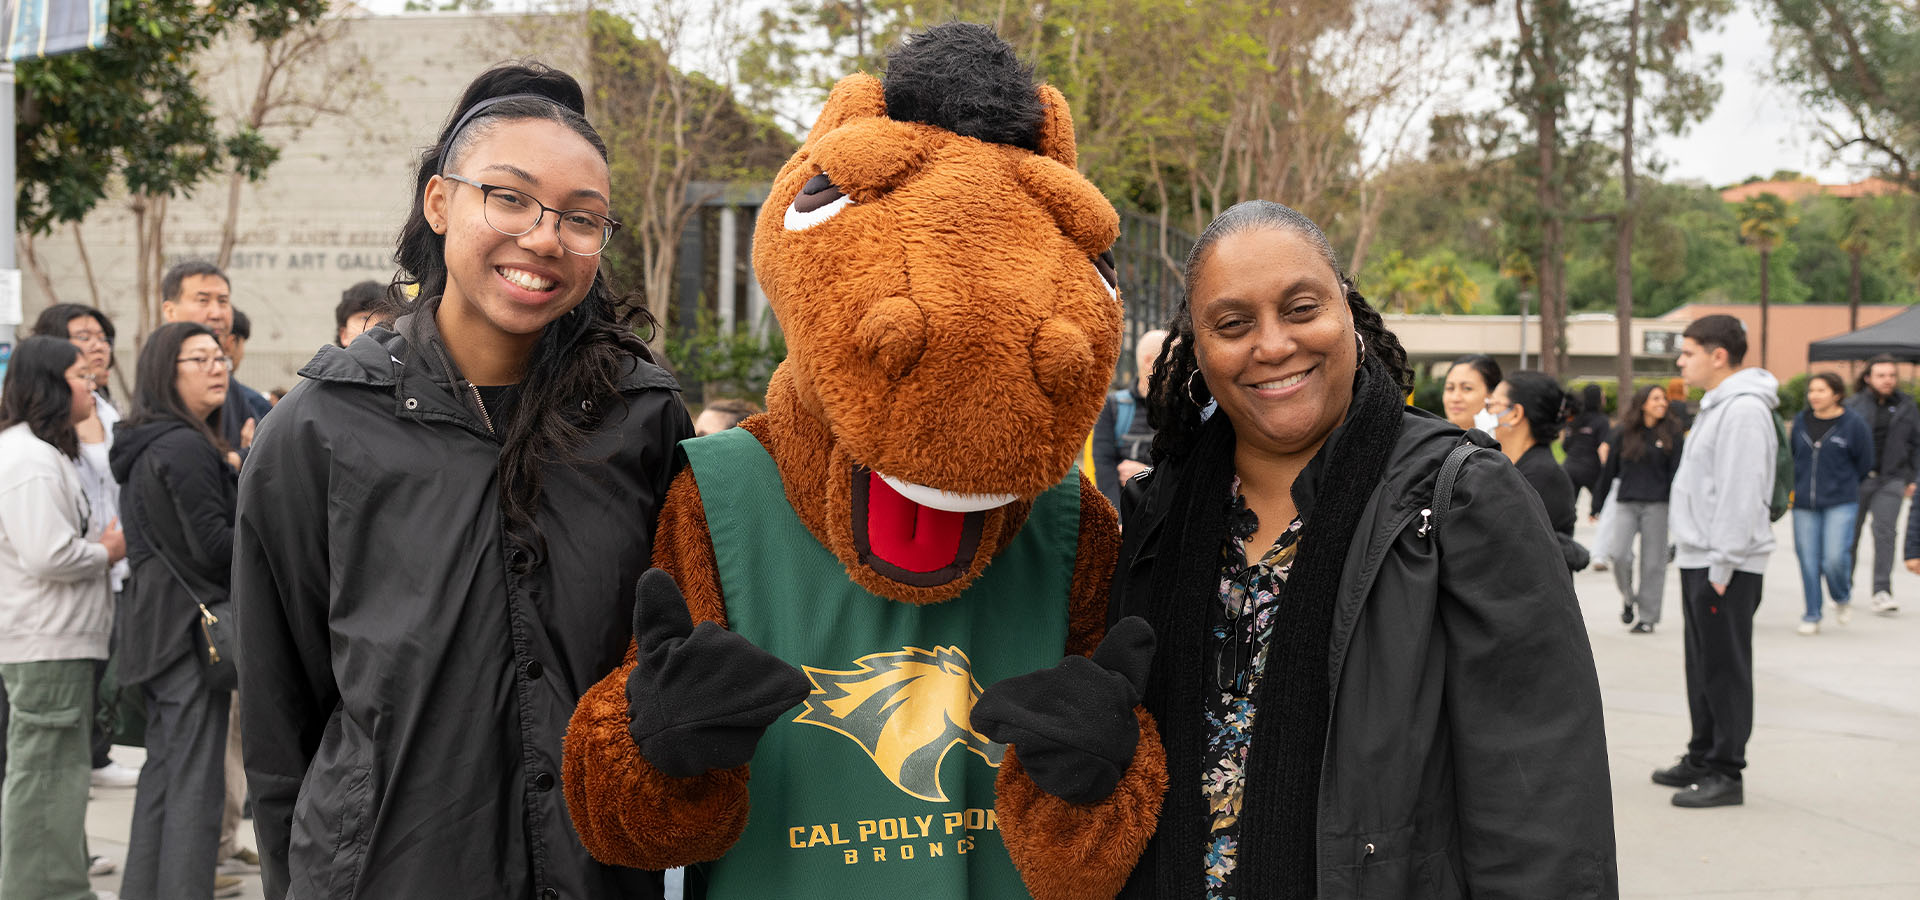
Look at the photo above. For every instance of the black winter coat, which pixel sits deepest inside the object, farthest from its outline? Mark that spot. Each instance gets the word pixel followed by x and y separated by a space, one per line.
pixel 1466 755
pixel 1900 458
pixel 176 499
pixel 406 694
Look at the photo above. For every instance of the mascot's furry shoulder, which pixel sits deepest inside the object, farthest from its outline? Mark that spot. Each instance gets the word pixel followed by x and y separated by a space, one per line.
pixel 888 567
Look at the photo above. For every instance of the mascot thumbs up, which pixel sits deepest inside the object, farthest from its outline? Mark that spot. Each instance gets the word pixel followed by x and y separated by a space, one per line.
pixel 882 574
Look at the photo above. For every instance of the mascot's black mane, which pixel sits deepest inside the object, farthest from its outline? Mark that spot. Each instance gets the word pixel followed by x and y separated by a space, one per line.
pixel 964 78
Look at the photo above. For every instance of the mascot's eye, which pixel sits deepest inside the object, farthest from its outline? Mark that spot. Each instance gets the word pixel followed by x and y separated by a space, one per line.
pixel 1108 272
pixel 819 201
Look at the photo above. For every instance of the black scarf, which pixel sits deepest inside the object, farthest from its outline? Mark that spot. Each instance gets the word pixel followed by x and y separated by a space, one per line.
pixel 1280 809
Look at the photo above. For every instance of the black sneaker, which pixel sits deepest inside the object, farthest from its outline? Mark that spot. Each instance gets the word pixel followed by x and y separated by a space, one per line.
pixel 1642 628
pixel 1626 613
pixel 1713 790
pixel 1680 774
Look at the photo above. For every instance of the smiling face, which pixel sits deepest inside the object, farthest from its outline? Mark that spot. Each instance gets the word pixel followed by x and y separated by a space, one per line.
pixel 200 376
pixel 1655 408
pixel 1464 395
pixel 1274 339
pixel 515 286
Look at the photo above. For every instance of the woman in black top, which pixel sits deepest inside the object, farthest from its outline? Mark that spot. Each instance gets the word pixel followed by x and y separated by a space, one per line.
pixel 1582 445
pixel 1528 410
pixel 1643 453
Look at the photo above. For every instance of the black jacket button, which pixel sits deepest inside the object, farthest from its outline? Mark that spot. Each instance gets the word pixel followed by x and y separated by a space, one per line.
pixel 542 781
pixel 533 669
pixel 549 894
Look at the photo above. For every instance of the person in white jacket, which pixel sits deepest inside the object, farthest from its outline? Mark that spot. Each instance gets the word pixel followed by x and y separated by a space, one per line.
pixel 1722 533
pixel 55 616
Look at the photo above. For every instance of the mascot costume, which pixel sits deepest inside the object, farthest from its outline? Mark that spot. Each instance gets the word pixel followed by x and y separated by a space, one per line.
pixel 887 568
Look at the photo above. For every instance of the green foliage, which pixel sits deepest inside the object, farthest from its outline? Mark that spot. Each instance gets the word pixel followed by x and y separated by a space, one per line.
pixel 131 112
pixel 1793 395
pixel 728 363
pixel 1854 63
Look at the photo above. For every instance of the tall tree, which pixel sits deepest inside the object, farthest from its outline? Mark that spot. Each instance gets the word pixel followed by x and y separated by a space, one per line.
pixel 1764 221
pixel 1853 61
pixel 1550 51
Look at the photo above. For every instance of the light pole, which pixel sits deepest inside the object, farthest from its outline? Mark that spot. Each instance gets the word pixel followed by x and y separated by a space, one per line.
pixel 1526 299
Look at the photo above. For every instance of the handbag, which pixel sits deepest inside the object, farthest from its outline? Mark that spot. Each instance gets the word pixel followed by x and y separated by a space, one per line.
pixel 217 643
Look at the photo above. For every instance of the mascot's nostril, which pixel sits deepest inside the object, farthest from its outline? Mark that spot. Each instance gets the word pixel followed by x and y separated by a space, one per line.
pixel 893 334
pixel 1062 357
pixel 816 193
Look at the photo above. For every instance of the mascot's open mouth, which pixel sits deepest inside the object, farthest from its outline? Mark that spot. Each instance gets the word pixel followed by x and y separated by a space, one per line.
pixel 917 535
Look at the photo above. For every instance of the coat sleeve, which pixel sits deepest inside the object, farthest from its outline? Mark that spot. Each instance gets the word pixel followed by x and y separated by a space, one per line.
pixel 281 586
pixel 36 515
pixel 193 474
pixel 1069 851
pixel 1521 700
pixel 1861 440
pixel 627 812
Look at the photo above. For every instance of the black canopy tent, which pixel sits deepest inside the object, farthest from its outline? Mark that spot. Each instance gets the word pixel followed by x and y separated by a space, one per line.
pixel 1898 337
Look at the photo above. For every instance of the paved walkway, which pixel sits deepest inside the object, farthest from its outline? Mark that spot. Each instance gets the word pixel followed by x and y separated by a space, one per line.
pixel 1833 783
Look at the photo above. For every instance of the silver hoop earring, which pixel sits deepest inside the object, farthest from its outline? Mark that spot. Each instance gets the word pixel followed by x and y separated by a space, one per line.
pixel 1360 346
pixel 1197 401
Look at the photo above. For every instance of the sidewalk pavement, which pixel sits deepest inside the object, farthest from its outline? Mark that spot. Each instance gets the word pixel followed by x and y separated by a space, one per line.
pixel 1832 783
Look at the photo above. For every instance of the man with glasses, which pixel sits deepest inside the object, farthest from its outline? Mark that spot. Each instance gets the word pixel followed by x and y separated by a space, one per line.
pixel 198 291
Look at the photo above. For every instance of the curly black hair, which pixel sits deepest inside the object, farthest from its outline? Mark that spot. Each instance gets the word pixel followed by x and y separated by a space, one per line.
pixel 964 78
pixel 1174 414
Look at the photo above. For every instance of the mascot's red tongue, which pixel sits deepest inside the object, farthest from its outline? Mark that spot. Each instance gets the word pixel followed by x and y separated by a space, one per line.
pixel 904 533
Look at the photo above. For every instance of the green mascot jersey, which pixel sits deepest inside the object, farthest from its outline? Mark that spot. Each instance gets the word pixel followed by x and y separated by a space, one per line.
pixel 875 786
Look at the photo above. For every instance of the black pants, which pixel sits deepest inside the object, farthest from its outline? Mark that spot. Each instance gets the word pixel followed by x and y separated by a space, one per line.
pixel 1719 653
pixel 1584 474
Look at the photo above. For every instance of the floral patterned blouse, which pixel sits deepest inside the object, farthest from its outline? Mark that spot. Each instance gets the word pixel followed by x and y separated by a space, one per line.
pixel 1237 655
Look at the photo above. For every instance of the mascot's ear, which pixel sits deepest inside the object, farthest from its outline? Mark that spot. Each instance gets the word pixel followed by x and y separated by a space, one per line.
pixel 856 96
pixel 1078 207
pixel 1056 130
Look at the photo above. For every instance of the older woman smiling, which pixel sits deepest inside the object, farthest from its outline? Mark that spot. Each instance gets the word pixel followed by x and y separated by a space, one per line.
pixel 1357 700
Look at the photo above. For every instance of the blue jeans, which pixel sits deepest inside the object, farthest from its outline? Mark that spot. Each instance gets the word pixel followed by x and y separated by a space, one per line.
pixel 1823 540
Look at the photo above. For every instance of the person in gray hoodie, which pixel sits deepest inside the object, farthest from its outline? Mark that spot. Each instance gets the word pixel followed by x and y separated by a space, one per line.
pixel 1722 536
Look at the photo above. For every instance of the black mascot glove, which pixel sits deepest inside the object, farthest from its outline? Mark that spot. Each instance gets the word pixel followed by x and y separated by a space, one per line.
pixel 699 697
pixel 1073 725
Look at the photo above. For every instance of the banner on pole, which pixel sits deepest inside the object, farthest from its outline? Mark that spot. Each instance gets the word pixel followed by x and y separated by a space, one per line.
pixel 37 28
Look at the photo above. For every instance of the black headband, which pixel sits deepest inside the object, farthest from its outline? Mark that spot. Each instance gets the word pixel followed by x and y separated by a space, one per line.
pixel 477 109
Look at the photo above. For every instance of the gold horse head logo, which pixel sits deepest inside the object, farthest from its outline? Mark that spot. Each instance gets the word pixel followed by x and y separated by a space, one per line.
pixel 906 708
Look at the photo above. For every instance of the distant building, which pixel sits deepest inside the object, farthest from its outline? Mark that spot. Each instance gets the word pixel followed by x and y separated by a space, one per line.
pixel 1796 191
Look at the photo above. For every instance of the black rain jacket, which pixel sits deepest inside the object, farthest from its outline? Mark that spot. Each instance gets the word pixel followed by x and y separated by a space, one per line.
pixel 405 694
pixel 176 498
pixel 1466 754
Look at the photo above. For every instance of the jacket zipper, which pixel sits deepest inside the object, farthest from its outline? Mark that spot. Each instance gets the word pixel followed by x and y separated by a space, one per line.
pixel 480 405
pixel 1813 481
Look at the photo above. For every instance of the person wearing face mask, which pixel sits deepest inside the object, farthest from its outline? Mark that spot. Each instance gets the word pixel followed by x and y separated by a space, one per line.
pixel 1524 414
pixel 1335 679
pixel 438 524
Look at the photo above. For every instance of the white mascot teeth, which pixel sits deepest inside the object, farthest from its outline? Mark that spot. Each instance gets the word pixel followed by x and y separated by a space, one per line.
pixel 934 498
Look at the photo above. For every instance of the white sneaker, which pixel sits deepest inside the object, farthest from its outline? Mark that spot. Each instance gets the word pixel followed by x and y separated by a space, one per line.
pixel 98 865
pixel 1843 613
pixel 1884 604
pixel 1809 628
pixel 105 895
pixel 115 775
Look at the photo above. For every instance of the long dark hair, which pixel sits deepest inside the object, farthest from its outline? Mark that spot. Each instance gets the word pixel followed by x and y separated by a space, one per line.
pixel 1634 433
pixel 1546 406
pixel 53 322
pixel 1173 412
pixel 156 384
pixel 36 392
pixel 1879 359
pixel 1482 365
pixel 576 366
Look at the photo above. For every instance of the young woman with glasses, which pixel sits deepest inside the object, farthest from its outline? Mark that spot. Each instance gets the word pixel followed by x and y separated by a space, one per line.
pixel 177 495
pixel 55 615
pixel 441 527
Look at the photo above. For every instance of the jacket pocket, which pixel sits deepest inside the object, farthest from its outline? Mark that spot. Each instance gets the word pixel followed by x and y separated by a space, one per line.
pixel 331 823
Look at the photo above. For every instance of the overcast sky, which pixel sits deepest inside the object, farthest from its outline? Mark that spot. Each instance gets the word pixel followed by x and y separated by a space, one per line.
pixel 1757 128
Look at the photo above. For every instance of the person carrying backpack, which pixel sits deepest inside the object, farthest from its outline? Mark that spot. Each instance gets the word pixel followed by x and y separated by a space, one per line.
pixel 1721 523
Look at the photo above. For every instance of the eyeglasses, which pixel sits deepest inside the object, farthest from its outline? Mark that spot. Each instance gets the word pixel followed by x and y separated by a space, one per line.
pixel 208 363
pixel 513 212
pixel 87 377
pixel 88 337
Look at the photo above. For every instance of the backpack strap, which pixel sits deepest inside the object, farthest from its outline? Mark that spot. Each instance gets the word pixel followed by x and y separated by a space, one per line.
pixel 1436 512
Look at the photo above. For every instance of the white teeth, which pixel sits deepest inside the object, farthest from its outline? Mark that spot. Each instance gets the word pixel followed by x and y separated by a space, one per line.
pixel 947 500
pixel 1283 383
pixel 526 280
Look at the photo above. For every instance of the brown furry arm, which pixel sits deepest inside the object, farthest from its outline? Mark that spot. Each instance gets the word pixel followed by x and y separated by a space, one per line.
pixel 627 812
pixel 1068 851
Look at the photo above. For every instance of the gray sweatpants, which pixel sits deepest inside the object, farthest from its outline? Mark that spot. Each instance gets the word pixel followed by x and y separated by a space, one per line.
pixel 1649 522
pixel 176 811
pixel 1880 497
